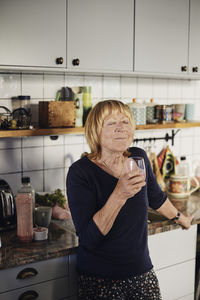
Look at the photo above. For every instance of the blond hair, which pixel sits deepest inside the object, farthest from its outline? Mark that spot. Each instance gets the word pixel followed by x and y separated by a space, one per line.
pixel 95 119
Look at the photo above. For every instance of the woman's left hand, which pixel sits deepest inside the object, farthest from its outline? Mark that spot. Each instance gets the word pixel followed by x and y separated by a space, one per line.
pixel 185 221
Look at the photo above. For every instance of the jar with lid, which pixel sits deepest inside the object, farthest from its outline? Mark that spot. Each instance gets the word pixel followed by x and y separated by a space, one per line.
pixel 138 111
pixel 25 102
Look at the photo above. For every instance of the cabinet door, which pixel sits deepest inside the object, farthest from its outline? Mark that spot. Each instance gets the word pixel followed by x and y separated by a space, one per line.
pixel 161 35
pixel 50 290
pixel 194 45
pixel 172 247
pixel 32 33
pixel 100 34
pixel 177 282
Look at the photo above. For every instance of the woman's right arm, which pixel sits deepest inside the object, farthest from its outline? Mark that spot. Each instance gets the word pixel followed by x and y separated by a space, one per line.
pixel 128 185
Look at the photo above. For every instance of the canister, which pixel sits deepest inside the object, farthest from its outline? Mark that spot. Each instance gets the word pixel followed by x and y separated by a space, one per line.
pixel 150 112
pixel 139 112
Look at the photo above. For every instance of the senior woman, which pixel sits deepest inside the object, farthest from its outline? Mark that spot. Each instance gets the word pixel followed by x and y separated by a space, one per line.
pixel 109 207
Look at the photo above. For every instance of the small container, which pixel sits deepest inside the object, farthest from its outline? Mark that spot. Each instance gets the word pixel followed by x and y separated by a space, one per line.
pixel 150 112
pixel 40 233
pixel 139 112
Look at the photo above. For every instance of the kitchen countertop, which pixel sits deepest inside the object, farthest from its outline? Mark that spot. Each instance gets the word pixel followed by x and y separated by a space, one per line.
pixel 62 239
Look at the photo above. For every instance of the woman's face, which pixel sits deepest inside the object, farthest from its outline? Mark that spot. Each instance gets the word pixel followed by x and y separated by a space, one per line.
pixel 116 133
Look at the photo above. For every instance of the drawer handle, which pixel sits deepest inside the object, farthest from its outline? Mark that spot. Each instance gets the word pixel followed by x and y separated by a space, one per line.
pixel 27 273
pixel 29 295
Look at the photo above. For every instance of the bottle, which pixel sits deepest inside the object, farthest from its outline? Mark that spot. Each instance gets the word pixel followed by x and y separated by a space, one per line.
pixel 182 168
pixel 87 104
pixel 25 188
pixel 24 205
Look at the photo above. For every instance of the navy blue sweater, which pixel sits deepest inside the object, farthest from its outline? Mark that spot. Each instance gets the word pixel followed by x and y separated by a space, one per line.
pixel 123 252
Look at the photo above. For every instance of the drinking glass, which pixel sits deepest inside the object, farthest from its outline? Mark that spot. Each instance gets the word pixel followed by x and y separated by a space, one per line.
pixel 136 162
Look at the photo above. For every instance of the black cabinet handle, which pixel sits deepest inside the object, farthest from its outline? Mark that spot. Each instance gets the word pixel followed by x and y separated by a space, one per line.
pixel 59 60
pixel 27 273
pixel 184 68
pixel 75 62
pixel 195 69
pixel 29 295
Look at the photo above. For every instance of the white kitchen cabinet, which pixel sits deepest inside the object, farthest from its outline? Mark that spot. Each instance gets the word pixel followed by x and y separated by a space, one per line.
pixel 33 33
pixel 194 38
pixel 161 36
pixel 45 280
pixel 173 256
pixel 100 35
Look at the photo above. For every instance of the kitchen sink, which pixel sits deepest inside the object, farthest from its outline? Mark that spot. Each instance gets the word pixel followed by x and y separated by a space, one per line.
pixel 154 216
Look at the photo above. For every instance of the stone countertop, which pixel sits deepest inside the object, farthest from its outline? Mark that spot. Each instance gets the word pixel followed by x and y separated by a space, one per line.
pixel 62 239
pixel 187 206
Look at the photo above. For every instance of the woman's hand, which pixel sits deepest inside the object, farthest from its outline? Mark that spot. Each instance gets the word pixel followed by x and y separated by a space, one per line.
pixel 129 184
pixel 185 221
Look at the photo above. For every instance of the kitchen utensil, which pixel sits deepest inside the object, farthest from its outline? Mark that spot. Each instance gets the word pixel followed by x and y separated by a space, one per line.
pixel 8 218
pixel 178 186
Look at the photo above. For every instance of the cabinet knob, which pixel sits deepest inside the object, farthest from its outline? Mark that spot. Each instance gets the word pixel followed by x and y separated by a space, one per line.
pixel 76 62
pixel 27 273
pixel 59 60
pixel 28 295
pixel 195 69
pixel 184 68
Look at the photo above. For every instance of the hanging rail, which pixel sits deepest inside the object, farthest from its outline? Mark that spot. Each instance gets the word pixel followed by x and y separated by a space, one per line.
pixel 167 137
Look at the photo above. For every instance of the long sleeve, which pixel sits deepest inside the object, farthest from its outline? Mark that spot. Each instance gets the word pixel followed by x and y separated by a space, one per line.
pixel 83 205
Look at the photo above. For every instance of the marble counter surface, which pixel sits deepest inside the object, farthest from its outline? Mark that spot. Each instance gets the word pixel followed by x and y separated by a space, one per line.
pixel 62 239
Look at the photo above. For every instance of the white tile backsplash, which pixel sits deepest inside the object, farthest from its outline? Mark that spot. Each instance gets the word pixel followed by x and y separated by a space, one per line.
pixel 53 157
pixel 52 84
pixel 54 179
pixel 145 88
pixel 10 85
pixel 128 87
pixel 111 87
pixel 32 159
pixel 47 161
pixel 10 160
pixel 34 141
pixel 32 84
pixel 6 143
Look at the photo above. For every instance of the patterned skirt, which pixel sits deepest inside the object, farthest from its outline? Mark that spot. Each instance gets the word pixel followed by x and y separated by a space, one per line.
pixel 142 287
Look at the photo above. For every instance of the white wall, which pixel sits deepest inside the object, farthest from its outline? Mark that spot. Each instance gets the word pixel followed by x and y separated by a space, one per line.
pixel 47 161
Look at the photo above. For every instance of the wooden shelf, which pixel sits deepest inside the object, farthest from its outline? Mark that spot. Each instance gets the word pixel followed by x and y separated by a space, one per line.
pixel 59 131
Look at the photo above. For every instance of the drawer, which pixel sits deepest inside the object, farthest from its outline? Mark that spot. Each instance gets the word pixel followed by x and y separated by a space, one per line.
pixel 172 247
pixel 38 272
pixel 52 290
pixel 177 282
